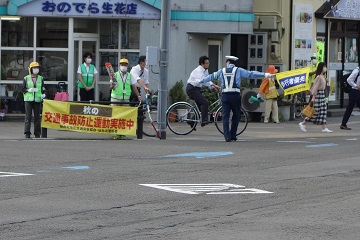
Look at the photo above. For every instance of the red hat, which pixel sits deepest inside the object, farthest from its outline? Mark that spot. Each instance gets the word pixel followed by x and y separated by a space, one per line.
pixel 271 69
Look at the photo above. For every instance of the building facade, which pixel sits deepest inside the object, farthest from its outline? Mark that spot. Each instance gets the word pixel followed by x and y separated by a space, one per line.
pixel 57 33
pixel 280 32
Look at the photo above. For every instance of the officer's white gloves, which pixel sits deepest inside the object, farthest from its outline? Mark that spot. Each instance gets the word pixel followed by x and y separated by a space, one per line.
pixel 267 75
pixel 32 90
pixel 43 96
pixel 258 95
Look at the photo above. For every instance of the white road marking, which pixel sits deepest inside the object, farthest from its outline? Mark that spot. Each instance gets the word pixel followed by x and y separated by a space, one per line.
pixel 211 188
pixel 12 174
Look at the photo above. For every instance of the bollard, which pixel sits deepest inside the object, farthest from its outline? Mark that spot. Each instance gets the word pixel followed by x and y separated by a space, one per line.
pixel 140 121
pixel 44 132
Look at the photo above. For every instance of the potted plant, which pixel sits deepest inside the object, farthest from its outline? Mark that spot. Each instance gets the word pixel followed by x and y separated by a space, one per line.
pixel 284 103
pixel 177 93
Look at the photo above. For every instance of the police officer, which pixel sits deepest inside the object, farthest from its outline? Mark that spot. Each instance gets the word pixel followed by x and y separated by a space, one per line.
pixel 230 79
pixel 33 87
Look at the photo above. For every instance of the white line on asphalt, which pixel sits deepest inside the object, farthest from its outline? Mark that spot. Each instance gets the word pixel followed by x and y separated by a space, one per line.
pixel 215 188
pixel 13 174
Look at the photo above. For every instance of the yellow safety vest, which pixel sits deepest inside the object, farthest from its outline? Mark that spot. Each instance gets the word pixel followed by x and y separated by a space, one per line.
pixel 33 97
pixel 88 77
pixel 123 90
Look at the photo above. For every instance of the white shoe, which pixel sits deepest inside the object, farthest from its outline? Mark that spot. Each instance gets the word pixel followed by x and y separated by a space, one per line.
pixel 326 130
pixel 302 127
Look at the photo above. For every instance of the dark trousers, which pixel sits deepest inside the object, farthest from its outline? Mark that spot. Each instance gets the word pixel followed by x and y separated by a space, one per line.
pixel 354 98
pixel 133 96
pixel 231 102
pixel 29 107
pixel 201 101
pixel 87 95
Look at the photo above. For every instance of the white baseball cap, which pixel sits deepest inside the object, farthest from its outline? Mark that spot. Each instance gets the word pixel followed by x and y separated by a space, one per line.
pixel 233 58
pixel 313 55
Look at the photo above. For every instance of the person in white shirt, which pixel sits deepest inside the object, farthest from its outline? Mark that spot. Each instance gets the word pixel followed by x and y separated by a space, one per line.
pixel 141 74
pixel 194 86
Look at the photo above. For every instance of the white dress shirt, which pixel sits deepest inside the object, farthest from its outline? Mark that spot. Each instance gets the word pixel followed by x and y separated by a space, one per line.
pixel 197 75
pixel 138 74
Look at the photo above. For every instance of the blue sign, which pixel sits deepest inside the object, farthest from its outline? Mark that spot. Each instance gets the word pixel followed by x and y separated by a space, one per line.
pixel 118 8
pixel 293 81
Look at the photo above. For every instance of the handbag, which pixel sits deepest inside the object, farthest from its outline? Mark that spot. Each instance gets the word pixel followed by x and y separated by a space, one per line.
pixel 309 110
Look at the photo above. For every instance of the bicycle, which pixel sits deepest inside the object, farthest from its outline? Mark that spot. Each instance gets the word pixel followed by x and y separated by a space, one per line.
pixel 149 128
pixel 183 117
pixel 300 101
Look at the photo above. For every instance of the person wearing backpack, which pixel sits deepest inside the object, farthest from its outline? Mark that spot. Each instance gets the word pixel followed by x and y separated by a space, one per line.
pixel 354 97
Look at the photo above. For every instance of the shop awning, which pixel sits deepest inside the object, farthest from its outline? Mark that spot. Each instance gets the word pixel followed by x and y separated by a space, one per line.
pixel 339 9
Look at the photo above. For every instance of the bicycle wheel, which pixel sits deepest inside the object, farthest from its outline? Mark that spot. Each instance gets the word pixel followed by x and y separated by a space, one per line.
pixel 299 105
pixel 148 129
pixel 182 118
pixel 242 123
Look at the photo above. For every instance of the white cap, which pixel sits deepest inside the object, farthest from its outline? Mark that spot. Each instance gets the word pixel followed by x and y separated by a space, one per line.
pixel 232 58
pixel 313 55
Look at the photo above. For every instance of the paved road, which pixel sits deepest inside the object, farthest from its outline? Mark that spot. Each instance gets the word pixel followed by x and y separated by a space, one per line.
pixel 280 183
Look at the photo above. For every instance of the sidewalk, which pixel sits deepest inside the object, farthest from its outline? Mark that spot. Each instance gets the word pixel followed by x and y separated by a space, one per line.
pixel 13 130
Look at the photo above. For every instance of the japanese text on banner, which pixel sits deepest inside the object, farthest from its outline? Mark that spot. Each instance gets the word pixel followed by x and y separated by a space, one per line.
pixel 90 118
pixel 294 81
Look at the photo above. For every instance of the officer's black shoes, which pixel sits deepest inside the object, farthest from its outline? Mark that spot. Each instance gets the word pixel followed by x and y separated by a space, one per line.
pixel 227 140
pixel 27 135
pixel 233 139
pixel 205 123
pixel 344 127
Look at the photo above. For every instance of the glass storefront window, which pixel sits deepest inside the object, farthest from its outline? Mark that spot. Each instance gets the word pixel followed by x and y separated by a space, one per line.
pixel 85 25
pixel 14 64
pixel 352 27
pixel 109 34
pixel 351 52
pixel 130 34
pixel 52 32
pixel 17 33
pixel 111 57
pixel 132 57
pixel 53 65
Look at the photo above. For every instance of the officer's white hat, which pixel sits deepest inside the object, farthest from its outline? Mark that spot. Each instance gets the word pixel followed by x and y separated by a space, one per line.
pixel 232 58
pixel 313 55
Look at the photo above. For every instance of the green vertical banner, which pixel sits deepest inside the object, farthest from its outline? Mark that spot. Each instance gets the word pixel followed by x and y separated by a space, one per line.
pixel 320 51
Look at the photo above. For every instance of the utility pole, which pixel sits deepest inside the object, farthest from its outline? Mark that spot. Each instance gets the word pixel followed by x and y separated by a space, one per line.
pixel 164 66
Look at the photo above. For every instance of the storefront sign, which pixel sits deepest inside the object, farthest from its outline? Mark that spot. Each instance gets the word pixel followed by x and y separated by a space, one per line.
pixel 335 66
pixel 89 118
pixel 345 9
pixel 98 8
pixel 294 81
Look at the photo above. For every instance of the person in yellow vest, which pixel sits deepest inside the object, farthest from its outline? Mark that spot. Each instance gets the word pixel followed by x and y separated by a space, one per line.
pixel 125 83
pixel 87 78
pixel 122 89
pixel 271 94
pixel 33 88
pixel 313 67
